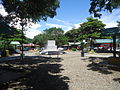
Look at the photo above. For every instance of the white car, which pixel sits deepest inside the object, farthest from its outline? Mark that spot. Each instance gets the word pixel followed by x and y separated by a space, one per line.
pixel 60 49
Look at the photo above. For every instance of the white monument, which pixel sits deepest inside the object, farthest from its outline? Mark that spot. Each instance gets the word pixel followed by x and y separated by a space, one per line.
pixel 51 46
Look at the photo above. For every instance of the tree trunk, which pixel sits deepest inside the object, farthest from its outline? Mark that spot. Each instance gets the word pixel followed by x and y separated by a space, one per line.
pixel 114 46
pixel 22 43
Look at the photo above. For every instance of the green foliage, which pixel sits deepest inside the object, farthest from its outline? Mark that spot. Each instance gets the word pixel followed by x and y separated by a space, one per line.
pixel 118 23
pixel 5 44
pixel 1 47
pixel 99 5
pixel 72 35
pixel 74 49
pixel 91 29
pixel 40 39
pixel 30 10
pixel 51 34
pixel 56 34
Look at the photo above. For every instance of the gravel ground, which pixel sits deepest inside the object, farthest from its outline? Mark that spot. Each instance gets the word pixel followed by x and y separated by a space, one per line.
pixel 83 78
pixel 72 72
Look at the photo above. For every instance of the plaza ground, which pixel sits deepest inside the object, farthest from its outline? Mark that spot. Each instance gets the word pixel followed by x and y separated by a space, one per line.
pixel 68 72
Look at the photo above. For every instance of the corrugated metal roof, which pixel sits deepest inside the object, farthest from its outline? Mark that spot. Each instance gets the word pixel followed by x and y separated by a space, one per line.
pixel 103 41
pixel 111 31
pixel 106 40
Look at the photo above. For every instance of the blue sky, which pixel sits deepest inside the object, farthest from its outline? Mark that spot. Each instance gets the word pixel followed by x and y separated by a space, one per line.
pixel 70 14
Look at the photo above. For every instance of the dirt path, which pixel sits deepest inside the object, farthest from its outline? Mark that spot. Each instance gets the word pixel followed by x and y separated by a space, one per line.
pixel 83 77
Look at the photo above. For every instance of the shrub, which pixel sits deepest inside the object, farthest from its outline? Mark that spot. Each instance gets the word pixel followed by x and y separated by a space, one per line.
pixel 74 49
pixel 91 52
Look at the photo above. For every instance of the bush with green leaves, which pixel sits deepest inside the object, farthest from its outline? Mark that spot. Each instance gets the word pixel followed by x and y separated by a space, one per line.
pixel 74 49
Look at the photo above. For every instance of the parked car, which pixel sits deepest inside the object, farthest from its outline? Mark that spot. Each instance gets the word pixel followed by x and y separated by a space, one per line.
pixel 25 49
pixel 60 49
pixel 117 49
pixel 50 52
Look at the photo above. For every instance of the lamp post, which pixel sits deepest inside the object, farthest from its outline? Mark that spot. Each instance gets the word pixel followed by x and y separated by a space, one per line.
pixel 74 39
pixel 82 48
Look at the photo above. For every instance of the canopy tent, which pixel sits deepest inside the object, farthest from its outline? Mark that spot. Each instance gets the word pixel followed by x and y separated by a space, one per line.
pixel 76 43
pixel 30 45
pixel 114 32
pixel 15 42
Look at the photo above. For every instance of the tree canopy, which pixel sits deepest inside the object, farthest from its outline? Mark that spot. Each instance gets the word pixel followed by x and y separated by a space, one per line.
pixel 54 33
pixel 118 23
pixel 32 10
pixel 72 35
pixel 100 5
pixel 91 28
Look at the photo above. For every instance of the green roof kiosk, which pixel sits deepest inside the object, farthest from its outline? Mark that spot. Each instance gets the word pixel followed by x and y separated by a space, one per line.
pixel 114 32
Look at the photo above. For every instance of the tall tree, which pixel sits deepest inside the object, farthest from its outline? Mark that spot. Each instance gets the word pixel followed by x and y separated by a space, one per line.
pixel 92 28
pixel 54 33
pixel 72 35
pixel 100 5
pixel 26 11
pixel 40 39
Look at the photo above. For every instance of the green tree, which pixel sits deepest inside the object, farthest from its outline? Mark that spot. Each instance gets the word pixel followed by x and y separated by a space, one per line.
pixel 118 23
pixel 30 10
pixel 26 11
pixel 100 5
pixel 54 33
pixel 91 28
pixel 40 39
pixel 72 35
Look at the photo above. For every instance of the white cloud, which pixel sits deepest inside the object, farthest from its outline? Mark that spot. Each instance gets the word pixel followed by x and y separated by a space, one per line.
pixel 62 21
pixel 54 25
pixel 2 11
pixel 65 25
pixel 68 28
pixel 75 26
pixel 58 20
pixel 33 31
pixel 110 18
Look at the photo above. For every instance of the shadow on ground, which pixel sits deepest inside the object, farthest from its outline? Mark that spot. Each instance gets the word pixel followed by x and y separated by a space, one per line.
pixel 101 65
pixel 35 73
pixel 117 79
